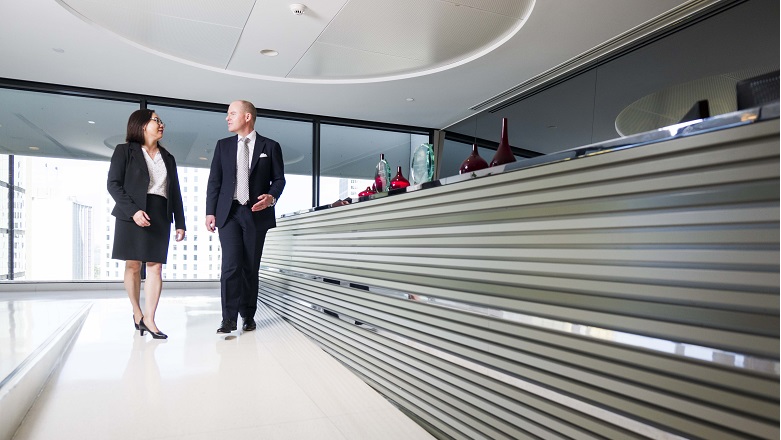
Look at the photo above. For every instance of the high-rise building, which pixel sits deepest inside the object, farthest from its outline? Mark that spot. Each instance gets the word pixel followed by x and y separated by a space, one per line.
pixel 60 249
pixel 195 257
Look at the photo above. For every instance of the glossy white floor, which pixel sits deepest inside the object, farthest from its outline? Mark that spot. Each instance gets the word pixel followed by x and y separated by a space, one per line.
pixel 272 383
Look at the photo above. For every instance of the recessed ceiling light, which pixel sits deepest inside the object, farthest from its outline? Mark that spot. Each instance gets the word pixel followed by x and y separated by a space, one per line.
pixel 91 122
pixel 58 50
pixel 34 148
pixel 269 52
pixel 203 158
pixel 410 99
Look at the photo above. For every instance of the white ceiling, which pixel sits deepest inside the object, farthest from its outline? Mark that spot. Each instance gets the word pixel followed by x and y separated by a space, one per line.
pixel 358 59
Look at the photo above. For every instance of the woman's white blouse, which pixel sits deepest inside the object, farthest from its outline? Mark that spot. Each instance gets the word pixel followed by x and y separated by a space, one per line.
pixel 158 176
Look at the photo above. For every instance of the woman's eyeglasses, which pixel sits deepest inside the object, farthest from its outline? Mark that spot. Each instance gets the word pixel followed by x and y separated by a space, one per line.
pixel 158 120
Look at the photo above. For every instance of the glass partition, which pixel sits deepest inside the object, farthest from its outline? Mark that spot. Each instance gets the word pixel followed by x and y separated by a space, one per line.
pixel 656 85
pixel 295 138
pixel 649 87
pixel 71 127
pixel 349 155
pixel 456 152
pixel 5 231
pixel 61 146
pixel 191 136
pixel 64 219
pixel 61 227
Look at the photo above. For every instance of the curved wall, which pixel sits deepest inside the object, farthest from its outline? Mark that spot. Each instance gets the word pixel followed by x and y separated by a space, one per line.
pixel 631 294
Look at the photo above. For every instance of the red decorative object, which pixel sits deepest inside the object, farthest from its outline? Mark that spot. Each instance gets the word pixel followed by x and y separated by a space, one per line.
pixel 503 154
pixel 399 181
pixel 374 188
pixel 473 163
pixel 367 192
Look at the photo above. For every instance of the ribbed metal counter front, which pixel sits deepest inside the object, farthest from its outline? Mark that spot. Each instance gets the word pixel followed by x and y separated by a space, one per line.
pixel 633 294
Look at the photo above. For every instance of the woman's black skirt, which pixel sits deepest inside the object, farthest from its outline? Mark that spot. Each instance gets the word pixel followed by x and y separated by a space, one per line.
pixel 149 244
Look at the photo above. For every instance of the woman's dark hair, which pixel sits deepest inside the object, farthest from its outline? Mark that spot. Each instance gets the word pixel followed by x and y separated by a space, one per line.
pixel 135 125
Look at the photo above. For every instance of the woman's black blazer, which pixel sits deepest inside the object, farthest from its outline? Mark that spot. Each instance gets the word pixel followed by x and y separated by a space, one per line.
pixel 128 181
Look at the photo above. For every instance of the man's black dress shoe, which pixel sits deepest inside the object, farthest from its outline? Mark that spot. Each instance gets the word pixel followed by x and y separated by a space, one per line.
pixel 248 325
pixel 226 326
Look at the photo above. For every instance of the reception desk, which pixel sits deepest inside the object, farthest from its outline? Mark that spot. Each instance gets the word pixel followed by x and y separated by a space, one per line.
pixel 623 290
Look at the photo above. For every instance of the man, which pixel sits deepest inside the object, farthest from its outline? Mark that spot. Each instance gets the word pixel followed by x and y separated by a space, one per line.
pixel 246 178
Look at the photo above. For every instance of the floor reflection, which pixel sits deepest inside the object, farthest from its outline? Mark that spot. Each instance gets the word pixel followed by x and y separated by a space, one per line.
pixel 269 383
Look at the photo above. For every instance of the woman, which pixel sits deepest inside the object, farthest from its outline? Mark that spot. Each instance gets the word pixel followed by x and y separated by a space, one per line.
pixel 143 181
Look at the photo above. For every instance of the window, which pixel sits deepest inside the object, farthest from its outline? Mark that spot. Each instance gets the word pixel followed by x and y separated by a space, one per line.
pixel 295 138
pixel 456 152
pixel 342 175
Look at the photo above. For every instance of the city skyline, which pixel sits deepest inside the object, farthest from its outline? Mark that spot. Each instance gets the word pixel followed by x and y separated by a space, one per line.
pixel 49 182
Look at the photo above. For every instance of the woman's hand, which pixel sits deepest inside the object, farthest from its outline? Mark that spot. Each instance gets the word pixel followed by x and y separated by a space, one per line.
pixel 179 234
pixel 141 218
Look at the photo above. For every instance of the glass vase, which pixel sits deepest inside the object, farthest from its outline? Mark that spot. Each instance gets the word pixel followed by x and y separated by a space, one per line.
pixel 399 181
pixel 504 154
pixel 367 192
pixel 422 169
pixel 382 175
pixel 473 163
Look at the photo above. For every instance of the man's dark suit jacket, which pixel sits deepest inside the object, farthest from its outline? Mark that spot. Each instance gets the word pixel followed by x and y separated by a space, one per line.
pixel 267 176
pixel 128 182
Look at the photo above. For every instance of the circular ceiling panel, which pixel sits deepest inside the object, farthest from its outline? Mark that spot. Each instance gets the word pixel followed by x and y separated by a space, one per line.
pixel 332 41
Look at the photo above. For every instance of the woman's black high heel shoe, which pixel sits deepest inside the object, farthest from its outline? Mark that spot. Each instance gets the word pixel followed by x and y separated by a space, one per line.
pixel 143 328
pixel 134 322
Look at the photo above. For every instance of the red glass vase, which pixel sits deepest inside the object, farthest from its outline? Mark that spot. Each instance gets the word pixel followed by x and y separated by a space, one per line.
pixel 367 192
pixel 504 154
pixel 399 181
pixel 473 163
